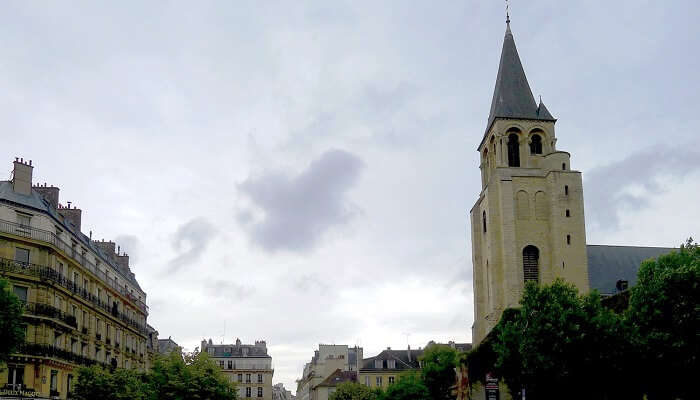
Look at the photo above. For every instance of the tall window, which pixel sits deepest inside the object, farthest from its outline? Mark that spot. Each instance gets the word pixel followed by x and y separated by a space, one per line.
pixel 22 255
pixel 513 151
pixel 379 381
pixel 20 292
pixel 54 380
pixel 483 218
pixel 247 392
pixel 15 376
pixel 260 378
pixel 260 393
pixel 536 144
pixel 531 261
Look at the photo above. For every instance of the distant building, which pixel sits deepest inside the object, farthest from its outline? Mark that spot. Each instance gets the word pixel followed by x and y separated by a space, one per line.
pixel 82 304
pixel 384 369
pixel 280 393
pixel 326 361
pixel 246 364
pixel 166 346
pixel 325 389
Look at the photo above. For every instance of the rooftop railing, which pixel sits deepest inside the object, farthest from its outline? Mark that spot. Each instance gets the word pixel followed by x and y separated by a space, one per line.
pixel 48 273
pixel 50 237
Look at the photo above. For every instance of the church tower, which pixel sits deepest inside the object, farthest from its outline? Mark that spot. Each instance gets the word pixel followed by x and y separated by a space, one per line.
pixel 528 223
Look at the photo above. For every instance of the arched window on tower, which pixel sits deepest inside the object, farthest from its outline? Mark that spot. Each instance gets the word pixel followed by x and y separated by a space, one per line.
pixel 484 220
pixel 513 151
pixel 536 144
pixel 531 264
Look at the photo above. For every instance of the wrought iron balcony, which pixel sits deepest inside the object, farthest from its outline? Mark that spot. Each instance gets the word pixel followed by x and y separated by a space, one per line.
pixel 47 273
pixel 50 237
pixel 45 310
pixel 47 350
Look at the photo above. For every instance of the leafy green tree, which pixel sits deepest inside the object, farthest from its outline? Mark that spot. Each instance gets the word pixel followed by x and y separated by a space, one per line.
pixel 95 382
pixel 558 340
pixel 353 391
pixel 11 325
pixel 665 309
pixel 438 370
pixel 408 387
pixel 194 376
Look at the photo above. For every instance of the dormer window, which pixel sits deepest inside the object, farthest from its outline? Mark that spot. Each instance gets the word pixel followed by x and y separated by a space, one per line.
pixel 378 364
pixel 391 364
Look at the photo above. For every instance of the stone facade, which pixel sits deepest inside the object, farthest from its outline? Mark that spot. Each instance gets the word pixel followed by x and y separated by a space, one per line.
pixel 528 221
pixel 83 305
pixel 326 361
pixel 248 365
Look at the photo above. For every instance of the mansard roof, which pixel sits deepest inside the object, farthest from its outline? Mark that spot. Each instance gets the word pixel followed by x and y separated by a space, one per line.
pixel 512 97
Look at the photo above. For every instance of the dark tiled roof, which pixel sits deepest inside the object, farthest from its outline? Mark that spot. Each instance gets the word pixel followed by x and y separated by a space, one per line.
pixel 338 377
pixel 609 264
pixel 165 346
pixel 512 97
pixel 243 350
pixel 401 357
pixel 37 202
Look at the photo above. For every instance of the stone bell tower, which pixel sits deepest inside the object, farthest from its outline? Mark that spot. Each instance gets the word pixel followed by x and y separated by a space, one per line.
pixel 528 222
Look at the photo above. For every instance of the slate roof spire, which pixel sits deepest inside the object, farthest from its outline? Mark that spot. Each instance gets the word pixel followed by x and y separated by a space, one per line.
pixel 512 97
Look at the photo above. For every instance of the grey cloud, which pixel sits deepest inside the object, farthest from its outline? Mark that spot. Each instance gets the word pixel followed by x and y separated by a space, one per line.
pixel 611 189
pixel 229 289
pixel 130 245
pixel 190 241
pixel 298 210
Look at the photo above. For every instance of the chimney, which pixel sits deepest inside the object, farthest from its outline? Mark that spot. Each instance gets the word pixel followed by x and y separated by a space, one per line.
pixel 409 353
pixel 107 248
pixel 50 193
pixel 123 262
pixel 71 216
pixel 22 177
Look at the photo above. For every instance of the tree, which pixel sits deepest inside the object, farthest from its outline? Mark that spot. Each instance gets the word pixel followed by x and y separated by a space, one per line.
pixel 174 377
pixel 558 340
pixel 353 391
pixel 95 382
pixel 408 387
pixel 11 325
pixel 438 370
pixel 665 309
pixel 194 376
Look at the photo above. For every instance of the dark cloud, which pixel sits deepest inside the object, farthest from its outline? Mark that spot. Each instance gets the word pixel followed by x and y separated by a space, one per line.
pixel 298 210
pixel 630 183
pixel 190 241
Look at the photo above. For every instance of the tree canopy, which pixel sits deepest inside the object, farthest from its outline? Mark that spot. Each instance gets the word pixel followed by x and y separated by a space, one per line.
pixel 408 387
pixel 438 370
pixel 173 377
pixel 664 308
pixel 353 391
pixel 11 325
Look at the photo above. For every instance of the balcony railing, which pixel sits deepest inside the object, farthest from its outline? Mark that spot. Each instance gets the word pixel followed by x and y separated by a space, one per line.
pixel 50 237
pixel 47 350
pixel 46 310
pixel 48 273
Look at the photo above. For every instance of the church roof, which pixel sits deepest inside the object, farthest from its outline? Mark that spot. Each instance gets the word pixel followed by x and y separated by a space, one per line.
pixel 512 97
pixel 609 264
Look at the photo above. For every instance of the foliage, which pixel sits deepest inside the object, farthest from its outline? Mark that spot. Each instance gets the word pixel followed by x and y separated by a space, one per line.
pixel 408 387
pixel 438 370
pixel 558 340
pixel 353 391
pixel 194 376
pixel 665 309
pixel 174 377
pixel 11 325
pixel 96 382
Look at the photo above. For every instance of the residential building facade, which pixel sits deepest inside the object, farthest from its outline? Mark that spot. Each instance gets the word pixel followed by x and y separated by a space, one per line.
pixel 82 303
pixel 385 368
pixel 248 365
pixel 279 392
pixel 326 360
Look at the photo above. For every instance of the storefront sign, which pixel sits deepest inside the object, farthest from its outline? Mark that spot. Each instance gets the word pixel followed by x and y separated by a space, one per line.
pixel 491 387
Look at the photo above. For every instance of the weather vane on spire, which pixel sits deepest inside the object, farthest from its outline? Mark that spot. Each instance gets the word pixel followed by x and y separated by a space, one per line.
pixel 507 12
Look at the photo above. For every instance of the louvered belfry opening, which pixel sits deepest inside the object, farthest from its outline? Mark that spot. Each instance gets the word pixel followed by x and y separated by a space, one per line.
pixel 531 264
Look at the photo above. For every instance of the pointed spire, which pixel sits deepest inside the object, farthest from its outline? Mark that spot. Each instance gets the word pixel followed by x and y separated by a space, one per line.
pixel 512 97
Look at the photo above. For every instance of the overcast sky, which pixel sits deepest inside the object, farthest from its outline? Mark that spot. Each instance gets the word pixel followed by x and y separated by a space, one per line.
pixel 301 172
